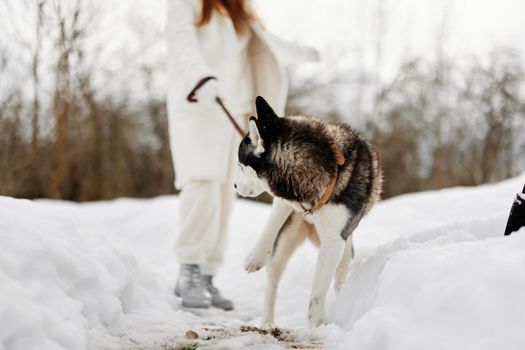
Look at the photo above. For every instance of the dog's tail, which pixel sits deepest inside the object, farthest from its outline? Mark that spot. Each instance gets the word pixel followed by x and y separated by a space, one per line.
pixel 342 270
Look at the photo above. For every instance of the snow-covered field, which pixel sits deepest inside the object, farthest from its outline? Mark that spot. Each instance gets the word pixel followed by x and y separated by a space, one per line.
pixel 432 272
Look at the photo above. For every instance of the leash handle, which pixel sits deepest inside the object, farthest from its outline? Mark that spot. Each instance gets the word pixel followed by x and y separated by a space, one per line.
pixel 239 130
pixel 192 98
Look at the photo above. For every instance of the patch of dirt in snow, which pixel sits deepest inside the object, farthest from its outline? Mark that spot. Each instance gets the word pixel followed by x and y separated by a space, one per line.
pixel 254 337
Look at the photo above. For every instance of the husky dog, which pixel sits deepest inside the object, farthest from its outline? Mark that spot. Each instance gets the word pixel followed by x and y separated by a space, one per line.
pixel 324 178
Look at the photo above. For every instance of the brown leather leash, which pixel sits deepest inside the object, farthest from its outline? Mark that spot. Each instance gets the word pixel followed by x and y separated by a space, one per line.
pixel 192 98
pixel 237 127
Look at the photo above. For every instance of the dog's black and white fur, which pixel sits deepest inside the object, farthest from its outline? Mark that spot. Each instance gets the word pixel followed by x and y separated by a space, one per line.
pixel 294 160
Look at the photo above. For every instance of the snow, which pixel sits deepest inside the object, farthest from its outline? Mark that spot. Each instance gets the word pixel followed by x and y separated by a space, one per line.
pixel 454 292
pixel 433 271
pixel 64 289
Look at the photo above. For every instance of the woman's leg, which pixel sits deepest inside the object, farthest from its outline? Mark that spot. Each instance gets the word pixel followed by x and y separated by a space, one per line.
pixel 215 258
pixel 199 222
pixel 198 231
pixel 224 205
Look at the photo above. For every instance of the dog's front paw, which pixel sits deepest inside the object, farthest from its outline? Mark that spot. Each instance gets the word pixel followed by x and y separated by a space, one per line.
pixel 255 261
pixel 316 313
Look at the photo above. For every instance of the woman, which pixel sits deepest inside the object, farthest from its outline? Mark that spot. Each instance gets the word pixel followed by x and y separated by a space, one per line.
pixel 215 48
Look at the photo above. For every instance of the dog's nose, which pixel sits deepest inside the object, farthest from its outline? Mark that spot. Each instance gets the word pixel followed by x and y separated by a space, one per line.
pixel 234 185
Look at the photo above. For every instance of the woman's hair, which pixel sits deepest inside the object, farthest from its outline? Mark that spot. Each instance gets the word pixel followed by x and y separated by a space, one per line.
pixel 237 10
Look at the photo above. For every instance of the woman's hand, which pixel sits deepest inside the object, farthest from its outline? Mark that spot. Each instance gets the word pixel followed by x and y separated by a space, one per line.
pixel 206 91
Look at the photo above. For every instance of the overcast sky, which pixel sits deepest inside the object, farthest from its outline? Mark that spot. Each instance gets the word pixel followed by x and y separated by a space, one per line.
pixel 409 27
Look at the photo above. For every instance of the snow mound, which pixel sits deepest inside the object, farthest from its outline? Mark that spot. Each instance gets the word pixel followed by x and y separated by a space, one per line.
pixel 457 286
pixel 57 284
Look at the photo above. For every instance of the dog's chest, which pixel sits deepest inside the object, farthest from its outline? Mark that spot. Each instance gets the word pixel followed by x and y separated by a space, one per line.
pixel 296 206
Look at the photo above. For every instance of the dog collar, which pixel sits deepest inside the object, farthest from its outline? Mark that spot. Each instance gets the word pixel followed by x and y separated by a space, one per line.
pixel 340 160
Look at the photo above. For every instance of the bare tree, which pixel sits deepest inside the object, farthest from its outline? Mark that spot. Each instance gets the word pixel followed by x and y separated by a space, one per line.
pixel 35 118
pixel 71 28
pixel 494 92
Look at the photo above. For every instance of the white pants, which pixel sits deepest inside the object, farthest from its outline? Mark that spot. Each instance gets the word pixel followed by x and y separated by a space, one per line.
pixel 204 213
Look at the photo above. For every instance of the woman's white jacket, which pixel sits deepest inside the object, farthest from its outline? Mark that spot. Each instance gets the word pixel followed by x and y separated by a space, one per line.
pixel 200 135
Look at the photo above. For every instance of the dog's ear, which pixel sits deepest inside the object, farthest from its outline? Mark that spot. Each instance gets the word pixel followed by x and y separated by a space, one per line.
pixel 255 136
pixel 264 111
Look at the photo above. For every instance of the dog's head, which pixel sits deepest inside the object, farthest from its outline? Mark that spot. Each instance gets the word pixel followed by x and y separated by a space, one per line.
pixel 254 150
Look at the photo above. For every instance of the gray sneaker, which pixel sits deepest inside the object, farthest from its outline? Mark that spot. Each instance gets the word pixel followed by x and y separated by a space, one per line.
pixel 191 288
pixel 217 300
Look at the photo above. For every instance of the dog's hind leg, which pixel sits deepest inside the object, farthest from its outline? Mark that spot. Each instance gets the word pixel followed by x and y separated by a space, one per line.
pixel 330 253
pixel 329 222
pixel 342 270
pixel 347 234
pixel 290 237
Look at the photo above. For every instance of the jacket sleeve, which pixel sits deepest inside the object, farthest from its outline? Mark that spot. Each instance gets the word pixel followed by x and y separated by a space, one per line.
pixel 289 52
pixel 185 59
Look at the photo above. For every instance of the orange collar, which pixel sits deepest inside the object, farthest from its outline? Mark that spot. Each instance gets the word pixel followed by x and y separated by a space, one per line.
pixel 340 158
